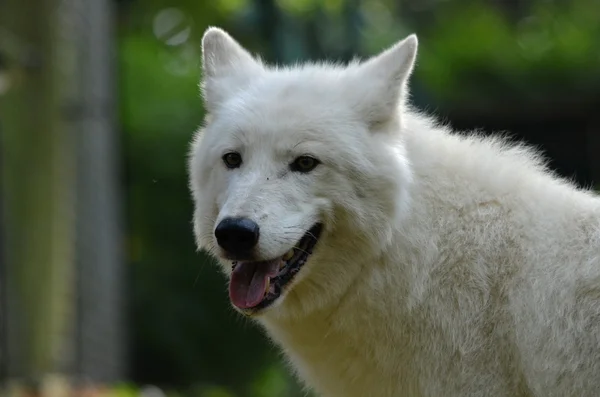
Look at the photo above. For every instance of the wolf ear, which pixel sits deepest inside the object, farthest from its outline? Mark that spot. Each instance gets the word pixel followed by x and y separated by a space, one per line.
pixel 227 67
pixel 383 81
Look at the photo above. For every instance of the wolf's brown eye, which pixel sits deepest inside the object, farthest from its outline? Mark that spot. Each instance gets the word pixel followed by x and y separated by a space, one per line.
pixel 304 164
pixel 232 160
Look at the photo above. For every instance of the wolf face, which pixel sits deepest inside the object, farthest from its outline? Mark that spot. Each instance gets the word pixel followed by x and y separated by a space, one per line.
pixel 295 173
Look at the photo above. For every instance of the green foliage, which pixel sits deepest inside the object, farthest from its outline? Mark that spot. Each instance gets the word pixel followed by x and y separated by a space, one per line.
pixel 472 49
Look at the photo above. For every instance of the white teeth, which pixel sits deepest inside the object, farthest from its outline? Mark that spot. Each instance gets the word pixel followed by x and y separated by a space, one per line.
pixel 288 255
pixel 268 285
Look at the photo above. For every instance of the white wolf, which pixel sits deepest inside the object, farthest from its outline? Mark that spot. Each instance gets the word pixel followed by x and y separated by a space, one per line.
pixel 385 254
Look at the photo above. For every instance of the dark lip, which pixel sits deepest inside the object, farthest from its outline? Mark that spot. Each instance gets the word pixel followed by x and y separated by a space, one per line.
pixel 239 258
pixel 280 282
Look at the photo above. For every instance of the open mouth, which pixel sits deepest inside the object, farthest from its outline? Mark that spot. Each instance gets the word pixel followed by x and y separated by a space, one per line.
pixel 256 285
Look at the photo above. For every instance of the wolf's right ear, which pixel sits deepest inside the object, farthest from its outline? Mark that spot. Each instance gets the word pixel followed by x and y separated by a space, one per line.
pixel 227 67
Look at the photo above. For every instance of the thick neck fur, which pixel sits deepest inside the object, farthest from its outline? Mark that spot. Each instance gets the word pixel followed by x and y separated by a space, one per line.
pixel 412 312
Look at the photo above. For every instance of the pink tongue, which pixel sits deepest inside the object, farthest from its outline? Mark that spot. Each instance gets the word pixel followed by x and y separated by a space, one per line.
pixel 249 281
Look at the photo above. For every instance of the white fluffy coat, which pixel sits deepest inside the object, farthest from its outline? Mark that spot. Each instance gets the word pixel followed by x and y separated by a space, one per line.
pixel 450 265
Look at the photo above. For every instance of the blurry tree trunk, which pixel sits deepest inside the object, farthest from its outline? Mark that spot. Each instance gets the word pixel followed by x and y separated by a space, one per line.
pixel 269 25
pixel 100 271
pixel 38 171
pixel 59 181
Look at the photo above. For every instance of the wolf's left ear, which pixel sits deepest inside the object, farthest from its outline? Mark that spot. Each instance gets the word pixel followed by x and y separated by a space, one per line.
pixel 227 67
pixel 382 81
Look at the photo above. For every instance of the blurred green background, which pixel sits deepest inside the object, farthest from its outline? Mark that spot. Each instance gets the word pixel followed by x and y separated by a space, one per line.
pixel 531 67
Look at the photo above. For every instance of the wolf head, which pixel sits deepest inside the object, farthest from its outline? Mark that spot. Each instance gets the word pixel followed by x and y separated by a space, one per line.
pixel 299 176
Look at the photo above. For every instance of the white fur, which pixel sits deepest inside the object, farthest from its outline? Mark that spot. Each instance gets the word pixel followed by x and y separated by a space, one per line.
pixel 450 265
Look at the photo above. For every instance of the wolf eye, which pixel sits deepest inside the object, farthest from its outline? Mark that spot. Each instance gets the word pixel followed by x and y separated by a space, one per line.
pixel 304 164
pixel 232 160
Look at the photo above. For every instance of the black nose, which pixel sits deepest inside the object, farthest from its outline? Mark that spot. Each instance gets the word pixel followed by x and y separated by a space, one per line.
pixel 237 236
